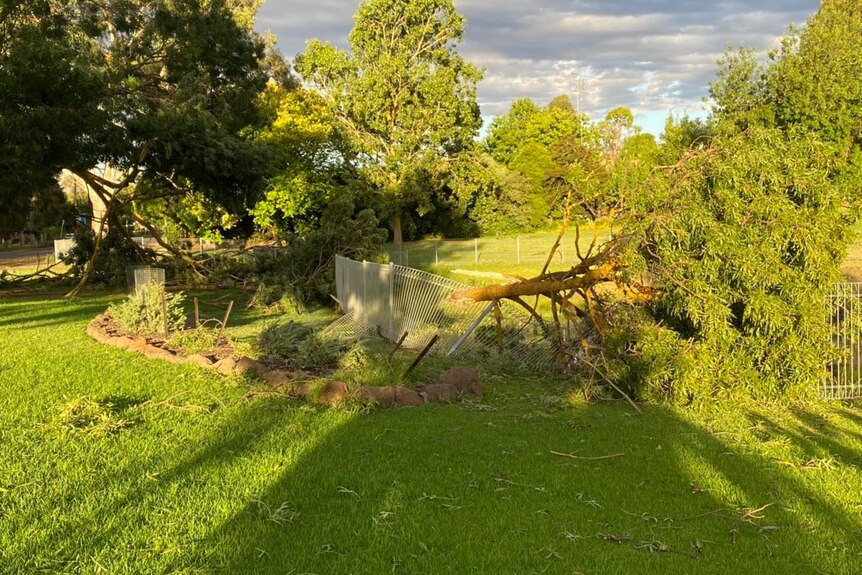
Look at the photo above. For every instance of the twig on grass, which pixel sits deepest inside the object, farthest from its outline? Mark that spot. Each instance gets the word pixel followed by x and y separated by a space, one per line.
pixel 610 382
pixel 573 456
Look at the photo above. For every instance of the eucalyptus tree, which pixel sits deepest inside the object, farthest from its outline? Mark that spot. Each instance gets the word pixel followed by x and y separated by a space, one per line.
pixel 402 95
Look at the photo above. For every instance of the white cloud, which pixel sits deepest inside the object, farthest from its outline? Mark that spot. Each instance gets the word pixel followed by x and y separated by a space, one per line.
pixel 654 56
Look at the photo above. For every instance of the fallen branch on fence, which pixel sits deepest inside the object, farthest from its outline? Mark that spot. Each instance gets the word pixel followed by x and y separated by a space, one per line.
pixel 488 275
pixel 541 285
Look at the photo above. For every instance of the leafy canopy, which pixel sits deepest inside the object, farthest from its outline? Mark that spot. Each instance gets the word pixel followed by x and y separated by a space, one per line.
pixel 403 97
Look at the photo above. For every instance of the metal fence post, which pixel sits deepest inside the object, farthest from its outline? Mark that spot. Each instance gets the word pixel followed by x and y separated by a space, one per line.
pixel 476 249
pixel 391 300
pixel 364 288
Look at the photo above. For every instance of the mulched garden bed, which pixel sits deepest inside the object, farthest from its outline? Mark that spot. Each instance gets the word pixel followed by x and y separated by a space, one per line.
pixel 451 385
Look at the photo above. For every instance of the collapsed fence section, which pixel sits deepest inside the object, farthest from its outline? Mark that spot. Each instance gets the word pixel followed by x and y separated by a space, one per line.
pixel 389 300
pixel 844 374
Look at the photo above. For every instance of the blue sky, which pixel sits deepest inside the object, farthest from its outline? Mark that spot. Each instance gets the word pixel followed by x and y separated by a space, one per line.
pixel 654 56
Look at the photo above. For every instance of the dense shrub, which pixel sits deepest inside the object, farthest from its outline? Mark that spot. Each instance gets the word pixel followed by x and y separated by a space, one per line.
pixel 304 272
pixel 115 255
pixel 143 312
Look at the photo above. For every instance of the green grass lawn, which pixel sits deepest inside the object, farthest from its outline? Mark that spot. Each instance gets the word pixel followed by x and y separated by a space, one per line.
pixel 199 477
pixel 520 255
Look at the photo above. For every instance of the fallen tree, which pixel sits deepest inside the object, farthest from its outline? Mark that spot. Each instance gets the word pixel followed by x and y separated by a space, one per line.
pixel 716 286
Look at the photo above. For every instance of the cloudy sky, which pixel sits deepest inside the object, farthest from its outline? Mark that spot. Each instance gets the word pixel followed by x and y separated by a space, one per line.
pixel 654 56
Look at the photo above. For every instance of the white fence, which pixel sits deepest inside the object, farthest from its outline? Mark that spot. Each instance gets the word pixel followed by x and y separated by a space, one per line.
pixel 844 376
pixel 493 251
pixel 390 300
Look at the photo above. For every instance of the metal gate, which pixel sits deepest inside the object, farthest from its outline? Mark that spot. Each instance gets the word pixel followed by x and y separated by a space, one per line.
pixel 844 375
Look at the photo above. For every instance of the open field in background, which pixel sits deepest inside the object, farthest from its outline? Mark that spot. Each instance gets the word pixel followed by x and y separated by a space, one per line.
pixel 192 473
pixel 519 255
pixel 852 266
pixel 501 254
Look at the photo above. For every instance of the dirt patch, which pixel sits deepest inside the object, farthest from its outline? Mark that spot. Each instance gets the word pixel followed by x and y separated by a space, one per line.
pixel 465 379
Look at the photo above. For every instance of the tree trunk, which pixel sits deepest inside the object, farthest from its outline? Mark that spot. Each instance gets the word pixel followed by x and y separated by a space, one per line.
pixel 396 230
pixel 540 286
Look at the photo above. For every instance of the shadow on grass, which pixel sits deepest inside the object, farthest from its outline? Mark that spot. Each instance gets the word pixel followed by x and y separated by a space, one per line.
pixel 34 314
pixel 202 484
pixel 449 489
pixel 85 514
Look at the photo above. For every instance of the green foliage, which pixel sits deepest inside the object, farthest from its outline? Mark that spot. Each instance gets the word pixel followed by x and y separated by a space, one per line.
pixel 115 256
pixel 194 341
pixel 739 92
pixel 745 243
pixel 86 417
pixel 143 313
pixel 555 150
pixel 308 155
pixel 402 95
pixel 48 95
pixel 301 347
pixel 617 126
pixel 680 134
pixel 527 123
pixel 816 80
pixel 164 91
pixel 493 196
pixel 304 271
pixel 743 236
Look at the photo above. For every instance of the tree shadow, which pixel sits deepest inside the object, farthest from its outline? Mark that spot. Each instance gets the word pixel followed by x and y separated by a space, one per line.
pixel 31 315
pixel 140 482
pixel 430 490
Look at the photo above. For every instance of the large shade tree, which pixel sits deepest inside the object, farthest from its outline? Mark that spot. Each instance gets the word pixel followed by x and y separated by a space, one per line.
pixel 402 95
pixel 48 91
pixel 161 92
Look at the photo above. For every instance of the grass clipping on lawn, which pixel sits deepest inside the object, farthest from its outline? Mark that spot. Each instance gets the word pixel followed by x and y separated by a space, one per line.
pixel 87 417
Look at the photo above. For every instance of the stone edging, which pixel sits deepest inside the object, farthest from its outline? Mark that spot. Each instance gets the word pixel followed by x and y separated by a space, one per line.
pixel 452 384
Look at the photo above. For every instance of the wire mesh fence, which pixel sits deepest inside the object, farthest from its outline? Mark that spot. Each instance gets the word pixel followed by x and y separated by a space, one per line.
pixel 844 375
pixel 389 300
pixel 493 251
pixel 138 277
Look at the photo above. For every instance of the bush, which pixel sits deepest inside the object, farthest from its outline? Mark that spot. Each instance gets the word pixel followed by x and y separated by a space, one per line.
pixel 193 341
pixel 115 255
pixel 304 273
pixel 142 312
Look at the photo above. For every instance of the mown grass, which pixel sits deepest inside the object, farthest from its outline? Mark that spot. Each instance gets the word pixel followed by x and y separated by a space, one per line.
pixel 205 478
pixel 519 255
